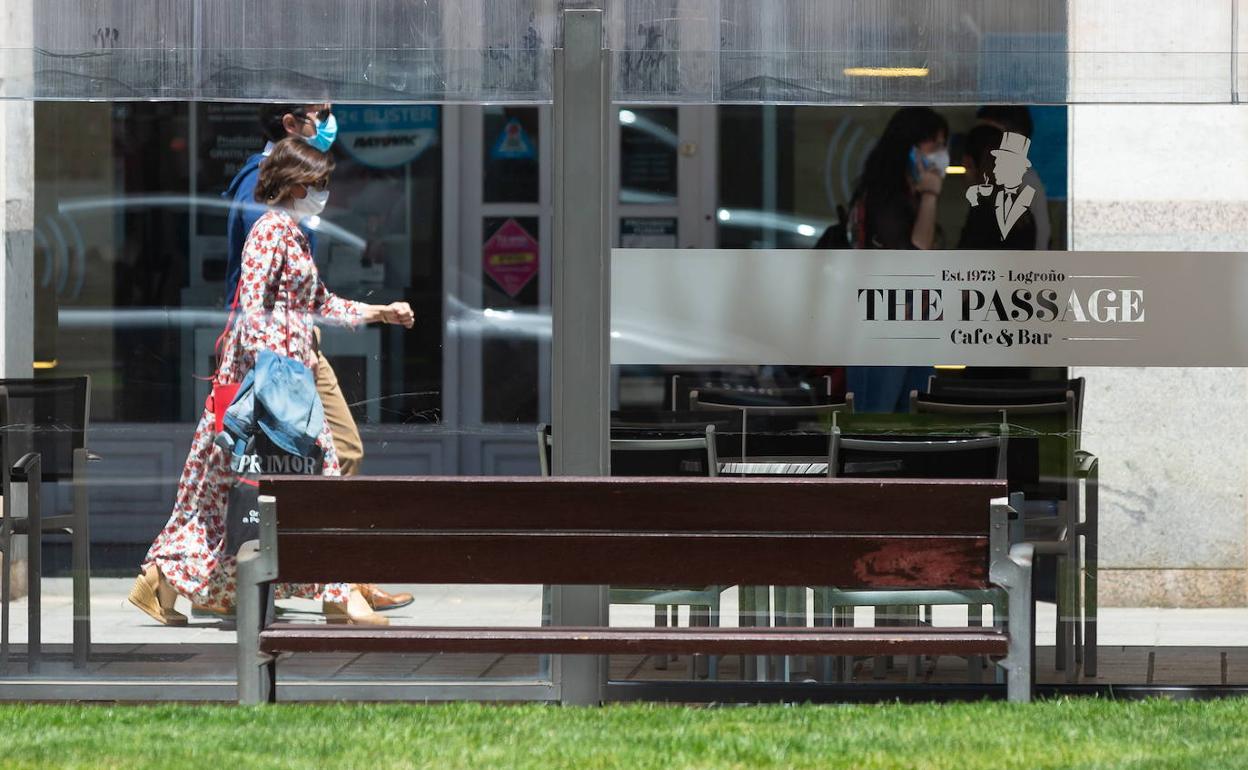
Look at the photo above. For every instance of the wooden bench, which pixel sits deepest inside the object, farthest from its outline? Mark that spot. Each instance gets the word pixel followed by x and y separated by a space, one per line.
pixel 632 531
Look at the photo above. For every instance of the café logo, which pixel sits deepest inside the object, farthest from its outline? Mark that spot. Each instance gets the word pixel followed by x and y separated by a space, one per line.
pixel 1025 304
pixel 1012 197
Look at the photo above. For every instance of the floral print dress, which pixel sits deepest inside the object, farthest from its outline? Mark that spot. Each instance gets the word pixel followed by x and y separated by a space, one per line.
pixel 279 292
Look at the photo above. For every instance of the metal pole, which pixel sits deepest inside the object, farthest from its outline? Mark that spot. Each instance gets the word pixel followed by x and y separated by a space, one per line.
pixel 581 308
pixel 1234 51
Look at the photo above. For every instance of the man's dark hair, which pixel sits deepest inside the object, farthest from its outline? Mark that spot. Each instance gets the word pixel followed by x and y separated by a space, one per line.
pixel 271 116
pixel 979 143
pixel 1013 118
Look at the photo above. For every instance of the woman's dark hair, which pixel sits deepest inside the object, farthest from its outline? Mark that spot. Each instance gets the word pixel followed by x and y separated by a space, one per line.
pixel 979 143
pixel 293 162
pixel 272 115
pixel 886 174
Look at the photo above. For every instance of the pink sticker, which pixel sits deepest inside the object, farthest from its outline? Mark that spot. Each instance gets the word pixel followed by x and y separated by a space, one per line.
pixel 511 257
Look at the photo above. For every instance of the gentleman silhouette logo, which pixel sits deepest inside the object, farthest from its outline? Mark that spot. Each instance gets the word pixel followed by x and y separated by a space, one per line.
pixel 1012 198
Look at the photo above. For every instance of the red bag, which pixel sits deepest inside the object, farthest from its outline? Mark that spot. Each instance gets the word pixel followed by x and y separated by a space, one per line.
pixel 223 394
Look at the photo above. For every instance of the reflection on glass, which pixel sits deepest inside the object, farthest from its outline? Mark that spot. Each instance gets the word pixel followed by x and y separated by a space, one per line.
pixel 130 252
pixel 510 156
pixel 649 141
pixel 648 232
pixel 510 264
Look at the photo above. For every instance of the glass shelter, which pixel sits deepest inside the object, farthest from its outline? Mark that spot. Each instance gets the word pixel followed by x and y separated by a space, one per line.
pixel 607 215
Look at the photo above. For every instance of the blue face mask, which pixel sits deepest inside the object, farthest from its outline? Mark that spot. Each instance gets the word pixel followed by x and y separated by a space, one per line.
pixel 326 133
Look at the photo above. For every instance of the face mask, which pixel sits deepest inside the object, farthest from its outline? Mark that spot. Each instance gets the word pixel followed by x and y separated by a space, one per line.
pixel 311 204
pixel 938 160
pixel 935 161
pixel 326 133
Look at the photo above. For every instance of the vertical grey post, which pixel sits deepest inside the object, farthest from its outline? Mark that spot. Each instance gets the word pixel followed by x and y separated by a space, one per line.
pixel 581 306
pixel 17 199
pixel 17 179
pixel 257 565
pixel 1010 568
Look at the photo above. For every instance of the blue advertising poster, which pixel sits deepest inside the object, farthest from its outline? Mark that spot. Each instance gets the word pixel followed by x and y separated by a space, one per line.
pixel 513 143
pixel 386 136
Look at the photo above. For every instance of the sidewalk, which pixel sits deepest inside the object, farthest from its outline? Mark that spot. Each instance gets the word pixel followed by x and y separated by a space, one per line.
pixel 1137 645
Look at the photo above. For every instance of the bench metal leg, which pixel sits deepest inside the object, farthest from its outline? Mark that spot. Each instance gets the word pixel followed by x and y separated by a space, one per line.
pixel 823 618
pixel 1013 573
pixel 714 670
pixel 880 663
pixel 661 612
pixel 975 663
pixel 755 612
pixel 256 567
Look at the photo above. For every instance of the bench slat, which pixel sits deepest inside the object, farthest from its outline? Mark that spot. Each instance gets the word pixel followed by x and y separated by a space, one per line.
pixel 661 558
pixel 562 640
pixel 849 506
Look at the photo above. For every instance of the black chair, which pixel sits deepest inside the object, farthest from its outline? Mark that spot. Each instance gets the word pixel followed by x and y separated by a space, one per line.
pixel 779 440
pixel 637 451
pixel 753 391
pixel 48 417
pixel 655 424
pixel 1007 391
pixel 1052 413
pixel 911 457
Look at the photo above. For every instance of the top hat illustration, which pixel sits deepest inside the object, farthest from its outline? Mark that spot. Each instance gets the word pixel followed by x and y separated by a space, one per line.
pixel 1014 144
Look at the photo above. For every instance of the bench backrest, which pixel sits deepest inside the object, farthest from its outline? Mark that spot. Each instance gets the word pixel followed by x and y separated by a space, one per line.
pixel 635 531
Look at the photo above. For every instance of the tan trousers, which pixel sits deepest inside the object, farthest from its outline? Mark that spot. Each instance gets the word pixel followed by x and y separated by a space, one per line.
pixel 341 424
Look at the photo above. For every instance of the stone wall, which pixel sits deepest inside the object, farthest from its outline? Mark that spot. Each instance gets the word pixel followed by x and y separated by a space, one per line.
pixel 1173 442
pixel 16 230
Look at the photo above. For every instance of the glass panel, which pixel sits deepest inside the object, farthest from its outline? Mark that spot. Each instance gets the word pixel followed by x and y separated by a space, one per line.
pixel 511 264
pixel 1161 557
pixel 648 232
pixel 649 146
pixel 131 206
pixel 712 51
pixel 936 51
pixel 511 155
pixel 382 50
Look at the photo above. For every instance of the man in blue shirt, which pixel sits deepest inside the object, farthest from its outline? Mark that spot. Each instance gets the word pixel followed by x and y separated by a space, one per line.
pixel 315 124
pixel 277 121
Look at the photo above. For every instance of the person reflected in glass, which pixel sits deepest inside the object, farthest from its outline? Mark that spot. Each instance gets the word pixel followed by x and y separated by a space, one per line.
pixel 280 294
pixel 894 207
pixel 316 125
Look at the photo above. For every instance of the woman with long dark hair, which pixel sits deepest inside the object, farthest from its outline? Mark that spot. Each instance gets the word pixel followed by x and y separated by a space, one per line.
pixel 894 207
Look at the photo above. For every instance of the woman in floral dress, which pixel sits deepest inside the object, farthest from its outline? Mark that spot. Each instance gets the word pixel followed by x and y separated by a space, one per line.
pixel 279 293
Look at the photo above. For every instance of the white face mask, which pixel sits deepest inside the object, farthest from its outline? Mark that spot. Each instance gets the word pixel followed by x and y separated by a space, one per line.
pixel 937 161
pixel 311 204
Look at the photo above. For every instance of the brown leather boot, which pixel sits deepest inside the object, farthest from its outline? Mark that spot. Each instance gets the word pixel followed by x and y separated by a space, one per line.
pixel 380 600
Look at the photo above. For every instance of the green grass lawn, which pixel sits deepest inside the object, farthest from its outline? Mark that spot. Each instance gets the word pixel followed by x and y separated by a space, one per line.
pixel 1053 734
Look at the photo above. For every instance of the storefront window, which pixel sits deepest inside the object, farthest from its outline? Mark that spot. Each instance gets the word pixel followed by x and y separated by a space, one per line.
pixel 822 212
